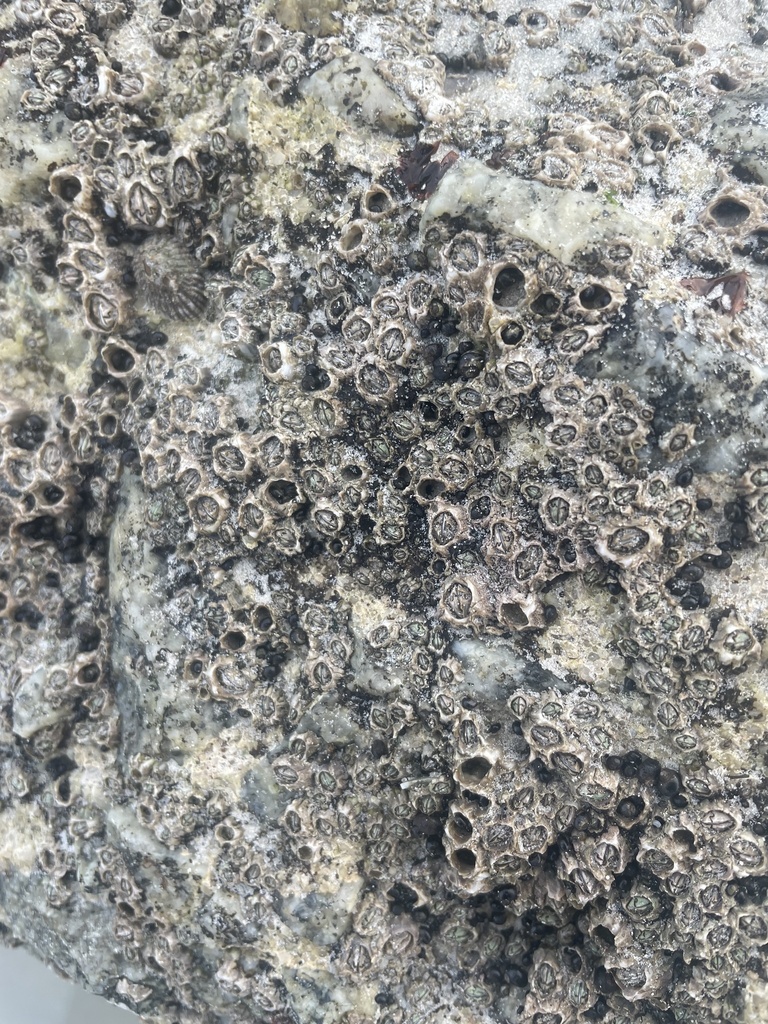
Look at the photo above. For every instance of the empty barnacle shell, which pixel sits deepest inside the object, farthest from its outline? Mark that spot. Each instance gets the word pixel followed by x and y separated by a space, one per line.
pixel 540 28
pixel 266 45
pixel 70 185
pixel 656 138
pixel 733 211
pixel 168 279
pixel 506 285
pixel 596 300
pixel 377 202
pixel 118 358
pixel 519 611
pixel 354 240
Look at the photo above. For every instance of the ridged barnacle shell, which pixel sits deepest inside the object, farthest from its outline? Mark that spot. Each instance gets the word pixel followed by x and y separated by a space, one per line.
pixel 142 206
pixel 207 511
pixel 168 279
pixel 387 304
pixel 518 373
pixel 464 257
pixel 626 542
pixel 102 310
pixel 186 180
pixel 393 342
pixel 258 270
pixel 337 359
pixel 373 381
pixel 45 49
pixel 447 524
pixel 80 227
pixel 576 341
pixel 357 328
pixel 459 601
pixel 734 643
pixel 329 279
pixel 271 453
pixel 232 457
pixel 253 522
pixel 557 510
pixel 92 262
pixel 559 166
pixel 69 276
pixel 420 293
pixel 64 19
pixel 327 518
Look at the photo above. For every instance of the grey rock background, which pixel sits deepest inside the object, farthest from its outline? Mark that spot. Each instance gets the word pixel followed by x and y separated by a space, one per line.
pixel 31 992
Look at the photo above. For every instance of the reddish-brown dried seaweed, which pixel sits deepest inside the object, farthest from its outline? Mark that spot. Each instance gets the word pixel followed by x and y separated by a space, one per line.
pixel 732 290
pixel 420 173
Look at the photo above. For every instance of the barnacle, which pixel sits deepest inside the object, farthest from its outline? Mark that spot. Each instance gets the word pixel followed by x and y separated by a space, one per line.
pixel 381 526
pixel 168 280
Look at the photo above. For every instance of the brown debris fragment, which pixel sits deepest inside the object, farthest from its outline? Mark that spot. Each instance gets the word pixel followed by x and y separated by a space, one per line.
pixel 420 174
pixel 729 291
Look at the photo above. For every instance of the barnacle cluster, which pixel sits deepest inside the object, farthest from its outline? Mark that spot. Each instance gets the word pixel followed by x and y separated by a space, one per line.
pixel 381 513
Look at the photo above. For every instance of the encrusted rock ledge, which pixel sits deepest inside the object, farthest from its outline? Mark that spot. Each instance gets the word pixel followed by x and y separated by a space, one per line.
pixel 383 506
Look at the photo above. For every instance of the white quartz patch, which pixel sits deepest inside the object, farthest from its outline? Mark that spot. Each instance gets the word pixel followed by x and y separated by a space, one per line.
pixel 560 222
pixel 350 86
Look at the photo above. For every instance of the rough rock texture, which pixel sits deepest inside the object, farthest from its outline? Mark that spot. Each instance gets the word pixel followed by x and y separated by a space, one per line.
pixel 383 501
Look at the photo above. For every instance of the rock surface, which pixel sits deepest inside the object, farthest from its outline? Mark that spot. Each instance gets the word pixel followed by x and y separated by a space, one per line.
pixel 383 506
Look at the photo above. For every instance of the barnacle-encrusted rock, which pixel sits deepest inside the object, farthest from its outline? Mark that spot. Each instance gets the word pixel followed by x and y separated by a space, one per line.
pixel 383 502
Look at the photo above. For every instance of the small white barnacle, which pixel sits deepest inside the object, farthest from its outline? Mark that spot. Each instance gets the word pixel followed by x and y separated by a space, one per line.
pixel 168 279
